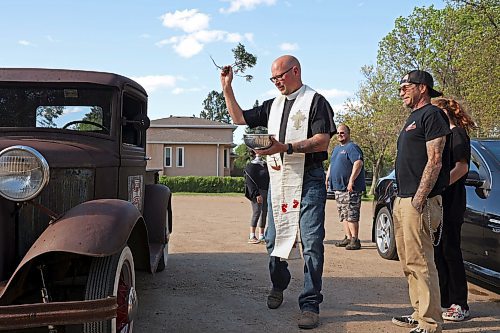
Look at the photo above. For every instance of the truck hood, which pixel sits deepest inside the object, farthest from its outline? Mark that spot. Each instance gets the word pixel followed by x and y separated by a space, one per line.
pixel 69 154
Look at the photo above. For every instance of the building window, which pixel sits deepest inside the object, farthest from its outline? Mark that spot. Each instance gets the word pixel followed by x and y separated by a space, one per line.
pixel 226 158
pixel 168 157
pixel 180 157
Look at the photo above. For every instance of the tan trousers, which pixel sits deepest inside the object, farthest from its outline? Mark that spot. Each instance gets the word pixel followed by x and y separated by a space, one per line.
pixel 416 253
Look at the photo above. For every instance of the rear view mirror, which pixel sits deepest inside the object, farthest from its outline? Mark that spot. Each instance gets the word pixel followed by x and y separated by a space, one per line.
pixel 473 179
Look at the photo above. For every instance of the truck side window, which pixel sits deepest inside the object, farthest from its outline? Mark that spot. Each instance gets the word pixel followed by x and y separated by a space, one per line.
pixel 132 107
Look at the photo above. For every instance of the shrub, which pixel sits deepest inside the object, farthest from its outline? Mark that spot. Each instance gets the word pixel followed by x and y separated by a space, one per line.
pixel 209 184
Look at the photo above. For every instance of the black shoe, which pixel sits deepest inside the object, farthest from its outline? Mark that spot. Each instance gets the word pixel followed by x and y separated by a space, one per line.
pixel 355 244
pixel 419 330
pixel 405 321
pixel 274 299
pixel 308 320
pixel 343 243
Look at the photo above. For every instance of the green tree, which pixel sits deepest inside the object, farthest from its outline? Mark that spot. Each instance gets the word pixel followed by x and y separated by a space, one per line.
pixel 243 156
pixel 459 45
pixel 258 129
pixel 45 115
pixel 214 108
pixel 375 119
pixel 478 64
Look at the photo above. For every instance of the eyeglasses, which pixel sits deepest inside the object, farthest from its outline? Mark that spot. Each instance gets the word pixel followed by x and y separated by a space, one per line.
pixel 341 133
pixel 275 79
pixel 406 87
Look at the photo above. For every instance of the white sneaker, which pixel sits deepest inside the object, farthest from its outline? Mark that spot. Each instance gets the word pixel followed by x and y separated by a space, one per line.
pixel 456 313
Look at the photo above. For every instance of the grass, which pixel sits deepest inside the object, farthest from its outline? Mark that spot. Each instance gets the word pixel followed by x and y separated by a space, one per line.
pixel 227 194
pixel 365 197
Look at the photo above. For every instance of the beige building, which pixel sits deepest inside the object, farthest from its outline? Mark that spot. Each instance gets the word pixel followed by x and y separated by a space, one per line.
pixel 190 146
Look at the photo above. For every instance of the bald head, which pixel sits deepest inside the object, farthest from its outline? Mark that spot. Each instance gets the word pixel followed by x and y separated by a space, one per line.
pixel 288 73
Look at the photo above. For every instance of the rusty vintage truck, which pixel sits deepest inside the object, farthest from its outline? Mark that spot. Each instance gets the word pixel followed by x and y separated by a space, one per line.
pixel 79 211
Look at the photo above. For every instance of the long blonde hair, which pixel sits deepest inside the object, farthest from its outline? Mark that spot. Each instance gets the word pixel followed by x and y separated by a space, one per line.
pixel 456 113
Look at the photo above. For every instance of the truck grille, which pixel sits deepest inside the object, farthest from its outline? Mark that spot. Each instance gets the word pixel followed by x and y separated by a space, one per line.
pixel 66 189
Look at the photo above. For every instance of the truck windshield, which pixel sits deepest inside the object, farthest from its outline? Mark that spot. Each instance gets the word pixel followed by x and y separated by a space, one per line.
pixel 77 109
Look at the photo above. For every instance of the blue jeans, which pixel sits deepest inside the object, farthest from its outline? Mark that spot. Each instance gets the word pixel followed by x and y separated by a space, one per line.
pixel 312 234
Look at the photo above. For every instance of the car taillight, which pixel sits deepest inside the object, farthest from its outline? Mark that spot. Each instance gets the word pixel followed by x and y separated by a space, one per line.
pixel 24 172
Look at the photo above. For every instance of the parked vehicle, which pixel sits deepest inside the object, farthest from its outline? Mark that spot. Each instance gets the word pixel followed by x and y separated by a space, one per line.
pixel 481 228
pixel 79 212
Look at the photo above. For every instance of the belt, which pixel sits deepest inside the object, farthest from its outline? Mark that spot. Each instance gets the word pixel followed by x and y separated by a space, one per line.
pixel 313 166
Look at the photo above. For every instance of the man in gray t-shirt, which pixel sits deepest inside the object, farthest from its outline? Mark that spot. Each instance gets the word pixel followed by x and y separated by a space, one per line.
pixel 346 176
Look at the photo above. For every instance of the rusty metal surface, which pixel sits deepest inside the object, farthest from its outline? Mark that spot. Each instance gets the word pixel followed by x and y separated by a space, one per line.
pixel 43 75
pixel 96 228
pixel 70 154
pixel 57 313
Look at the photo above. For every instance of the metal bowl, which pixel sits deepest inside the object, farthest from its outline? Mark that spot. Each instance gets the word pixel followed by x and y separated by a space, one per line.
pixel 258 141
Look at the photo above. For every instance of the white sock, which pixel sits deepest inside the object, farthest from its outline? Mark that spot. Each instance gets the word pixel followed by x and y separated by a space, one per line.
pixel 252 235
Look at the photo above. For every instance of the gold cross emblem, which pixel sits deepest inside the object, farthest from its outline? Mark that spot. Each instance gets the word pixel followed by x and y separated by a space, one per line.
pixel 298 119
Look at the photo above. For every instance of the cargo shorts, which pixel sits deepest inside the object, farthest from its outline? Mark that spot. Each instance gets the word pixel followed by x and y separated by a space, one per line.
pixel 348 205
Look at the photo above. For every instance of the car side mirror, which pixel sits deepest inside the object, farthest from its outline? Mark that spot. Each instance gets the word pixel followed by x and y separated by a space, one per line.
pixel 473 179
pixel 140 121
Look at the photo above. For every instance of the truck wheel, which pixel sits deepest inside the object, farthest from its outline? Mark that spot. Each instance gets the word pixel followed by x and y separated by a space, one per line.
pixel 384 235
pixel 113 276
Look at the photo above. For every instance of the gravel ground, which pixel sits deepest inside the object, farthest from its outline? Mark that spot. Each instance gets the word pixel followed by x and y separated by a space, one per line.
pixel 216 282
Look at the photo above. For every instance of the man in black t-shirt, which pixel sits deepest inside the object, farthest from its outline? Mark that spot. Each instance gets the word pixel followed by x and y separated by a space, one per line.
pixel 422 173
pixel 304 143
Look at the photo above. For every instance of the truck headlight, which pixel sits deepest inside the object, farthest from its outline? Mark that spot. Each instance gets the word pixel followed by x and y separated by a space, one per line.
pixel 24 172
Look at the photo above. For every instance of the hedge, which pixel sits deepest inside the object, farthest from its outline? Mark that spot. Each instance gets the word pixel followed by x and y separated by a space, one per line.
pixel 209 184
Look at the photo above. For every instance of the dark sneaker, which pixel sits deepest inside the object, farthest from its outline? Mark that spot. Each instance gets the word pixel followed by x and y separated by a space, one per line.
pixel 354 244
pixel 253 240
pixel 405 321
pixel 343 243
pixel 274 299
pixel 419 330
pixel 308 320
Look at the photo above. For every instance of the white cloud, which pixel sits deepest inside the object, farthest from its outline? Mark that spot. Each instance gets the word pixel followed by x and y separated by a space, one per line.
pixel 208 36
pixel 24 42
pixel 237 5
pixel 271 93
pixel 249 36
pixel 188 20
pixel 334 96
pixel 334 93
pixel 289 46
pixel 154 82
pixel 195 25
pixel 338 109
pixel 188 47
pixel 178 91
pixel 51 39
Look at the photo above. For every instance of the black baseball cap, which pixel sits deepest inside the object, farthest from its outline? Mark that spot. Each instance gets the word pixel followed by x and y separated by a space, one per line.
pixel 421 77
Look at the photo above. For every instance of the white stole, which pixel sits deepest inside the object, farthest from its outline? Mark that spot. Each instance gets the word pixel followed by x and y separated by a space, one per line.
pixel 286 177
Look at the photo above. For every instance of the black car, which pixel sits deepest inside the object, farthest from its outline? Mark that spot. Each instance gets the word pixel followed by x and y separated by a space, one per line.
pixel 481 229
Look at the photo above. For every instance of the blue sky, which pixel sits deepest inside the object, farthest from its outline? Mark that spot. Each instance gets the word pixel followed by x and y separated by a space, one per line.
pixel 166 45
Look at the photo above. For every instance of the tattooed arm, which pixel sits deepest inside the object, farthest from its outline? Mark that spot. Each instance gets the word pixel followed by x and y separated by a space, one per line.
pixel 316 143
pixel 430 174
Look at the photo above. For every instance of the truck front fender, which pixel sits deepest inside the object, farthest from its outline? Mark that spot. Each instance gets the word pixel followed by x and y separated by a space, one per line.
pixel 95 228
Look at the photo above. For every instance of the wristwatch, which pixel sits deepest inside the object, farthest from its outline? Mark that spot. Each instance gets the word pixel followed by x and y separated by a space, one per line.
pixel 289 151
